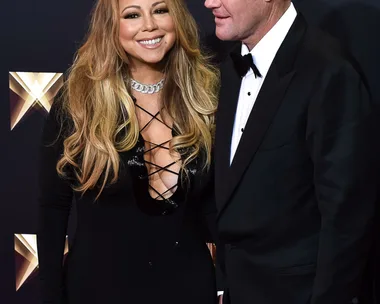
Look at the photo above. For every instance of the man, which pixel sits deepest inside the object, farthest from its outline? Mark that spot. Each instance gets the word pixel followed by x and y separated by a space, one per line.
pixel 295 186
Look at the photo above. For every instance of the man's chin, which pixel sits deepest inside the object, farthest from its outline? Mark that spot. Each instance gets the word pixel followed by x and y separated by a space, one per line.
pixel 222 35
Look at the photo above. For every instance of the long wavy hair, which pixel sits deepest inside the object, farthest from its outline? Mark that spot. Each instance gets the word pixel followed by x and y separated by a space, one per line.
pixel 97 92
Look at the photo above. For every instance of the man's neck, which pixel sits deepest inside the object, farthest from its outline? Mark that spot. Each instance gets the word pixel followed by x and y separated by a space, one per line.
pixel 276 13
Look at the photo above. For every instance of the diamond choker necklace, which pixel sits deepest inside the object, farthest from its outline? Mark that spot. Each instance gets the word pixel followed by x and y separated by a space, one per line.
pixel 147 88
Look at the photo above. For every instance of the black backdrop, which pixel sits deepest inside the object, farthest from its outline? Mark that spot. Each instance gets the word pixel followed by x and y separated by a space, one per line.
pixel 42 36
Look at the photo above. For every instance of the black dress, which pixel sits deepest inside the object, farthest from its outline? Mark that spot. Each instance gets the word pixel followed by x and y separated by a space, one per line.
pixel 128 247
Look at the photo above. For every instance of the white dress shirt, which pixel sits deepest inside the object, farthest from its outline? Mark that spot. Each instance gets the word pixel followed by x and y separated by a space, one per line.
pixel 263 55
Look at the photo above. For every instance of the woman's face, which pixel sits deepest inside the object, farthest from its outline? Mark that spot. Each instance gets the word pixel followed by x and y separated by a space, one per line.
pixel 147 30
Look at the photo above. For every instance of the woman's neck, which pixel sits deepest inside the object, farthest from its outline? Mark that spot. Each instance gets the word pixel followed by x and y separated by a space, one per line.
pixel 146 73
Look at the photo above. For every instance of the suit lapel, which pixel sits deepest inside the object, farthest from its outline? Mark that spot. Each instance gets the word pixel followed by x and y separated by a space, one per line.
pixel 268 101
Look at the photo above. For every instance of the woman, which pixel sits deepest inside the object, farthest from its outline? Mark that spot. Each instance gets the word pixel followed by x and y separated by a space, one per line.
pixel 129 139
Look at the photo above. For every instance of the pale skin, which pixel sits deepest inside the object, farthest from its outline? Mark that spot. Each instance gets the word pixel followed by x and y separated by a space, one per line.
pixel 147 33
pixel 247 21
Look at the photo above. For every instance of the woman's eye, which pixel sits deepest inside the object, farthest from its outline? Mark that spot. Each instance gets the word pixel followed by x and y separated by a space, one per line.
pixel 131 16
pixel 161 11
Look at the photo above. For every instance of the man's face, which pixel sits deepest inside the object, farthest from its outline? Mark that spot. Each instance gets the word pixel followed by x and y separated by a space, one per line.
pixel 238 19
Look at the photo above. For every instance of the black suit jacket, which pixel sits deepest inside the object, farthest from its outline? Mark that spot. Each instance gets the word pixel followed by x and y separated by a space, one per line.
pixel 295 207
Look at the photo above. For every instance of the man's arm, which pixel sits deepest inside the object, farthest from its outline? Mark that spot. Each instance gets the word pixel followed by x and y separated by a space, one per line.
pixel 342 146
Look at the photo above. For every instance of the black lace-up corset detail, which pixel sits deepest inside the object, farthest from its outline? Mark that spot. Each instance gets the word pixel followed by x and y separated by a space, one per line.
pixel 160 203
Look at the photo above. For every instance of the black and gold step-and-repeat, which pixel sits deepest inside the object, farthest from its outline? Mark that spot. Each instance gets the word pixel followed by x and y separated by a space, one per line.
pixel 37 42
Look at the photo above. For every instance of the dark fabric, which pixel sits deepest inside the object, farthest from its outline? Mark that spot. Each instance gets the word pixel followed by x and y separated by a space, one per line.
pixel 296 206
pixel 122 252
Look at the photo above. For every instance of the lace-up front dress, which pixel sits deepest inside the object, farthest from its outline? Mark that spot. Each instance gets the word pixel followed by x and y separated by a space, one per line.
pixel 143 241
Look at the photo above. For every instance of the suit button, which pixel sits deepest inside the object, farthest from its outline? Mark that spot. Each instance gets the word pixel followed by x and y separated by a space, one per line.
pixel 176 244
pixel 355 300
pixel 150 264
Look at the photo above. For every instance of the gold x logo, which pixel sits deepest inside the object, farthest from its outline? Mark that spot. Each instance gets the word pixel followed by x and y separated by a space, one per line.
pixel 26 257
pixel 30 91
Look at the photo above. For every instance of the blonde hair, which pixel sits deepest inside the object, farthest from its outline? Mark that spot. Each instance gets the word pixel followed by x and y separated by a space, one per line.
pixel 96 94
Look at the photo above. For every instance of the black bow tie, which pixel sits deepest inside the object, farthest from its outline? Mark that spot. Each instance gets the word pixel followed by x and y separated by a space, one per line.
pixel 244 63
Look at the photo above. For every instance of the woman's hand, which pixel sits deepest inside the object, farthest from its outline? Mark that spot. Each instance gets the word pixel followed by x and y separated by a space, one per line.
pixel 220 299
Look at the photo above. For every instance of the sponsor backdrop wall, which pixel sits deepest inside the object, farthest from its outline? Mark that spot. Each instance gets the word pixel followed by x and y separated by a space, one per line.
pixel 38 41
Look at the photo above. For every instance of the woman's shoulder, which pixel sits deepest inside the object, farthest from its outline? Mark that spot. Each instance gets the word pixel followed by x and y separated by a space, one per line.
pixel 57 110
pixel 59 121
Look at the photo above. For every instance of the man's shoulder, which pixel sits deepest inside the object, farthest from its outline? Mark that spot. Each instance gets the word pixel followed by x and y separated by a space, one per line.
pixel 325 57
pixel 326 52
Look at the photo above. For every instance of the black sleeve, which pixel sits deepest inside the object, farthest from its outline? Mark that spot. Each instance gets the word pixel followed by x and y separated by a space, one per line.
pixel 209 215
pixel 342 144
pixel 55 198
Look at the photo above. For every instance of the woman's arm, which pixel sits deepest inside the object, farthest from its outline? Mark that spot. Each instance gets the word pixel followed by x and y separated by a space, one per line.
pixel 55 197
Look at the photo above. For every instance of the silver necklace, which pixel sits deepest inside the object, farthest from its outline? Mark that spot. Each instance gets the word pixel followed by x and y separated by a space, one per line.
pixel 147 88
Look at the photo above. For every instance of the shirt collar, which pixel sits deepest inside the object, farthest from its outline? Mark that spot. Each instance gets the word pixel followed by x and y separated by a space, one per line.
pixel 265 51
